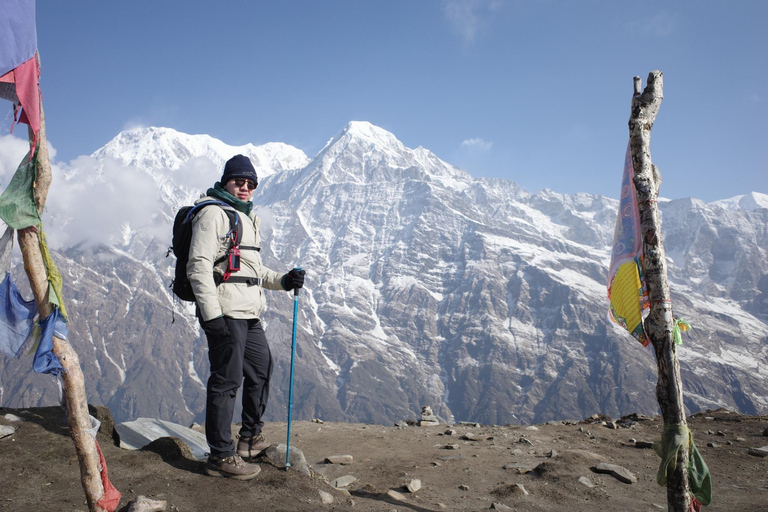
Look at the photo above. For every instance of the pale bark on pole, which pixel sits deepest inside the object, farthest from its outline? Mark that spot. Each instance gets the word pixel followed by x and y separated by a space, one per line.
pixel 78 418
pixel 660 323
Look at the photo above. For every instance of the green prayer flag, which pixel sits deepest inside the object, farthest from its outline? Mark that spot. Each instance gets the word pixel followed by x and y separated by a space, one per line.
pixel 17 203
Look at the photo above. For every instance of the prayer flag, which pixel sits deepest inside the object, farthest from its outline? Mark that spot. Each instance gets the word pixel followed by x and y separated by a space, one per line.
pixel 19 70
pixel 627 293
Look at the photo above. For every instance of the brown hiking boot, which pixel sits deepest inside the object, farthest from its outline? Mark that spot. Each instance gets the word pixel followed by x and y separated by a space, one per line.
pixel 231 467
pixel 249 447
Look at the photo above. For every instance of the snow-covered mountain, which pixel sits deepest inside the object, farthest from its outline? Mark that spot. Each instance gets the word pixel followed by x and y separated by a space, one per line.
pixel 425 286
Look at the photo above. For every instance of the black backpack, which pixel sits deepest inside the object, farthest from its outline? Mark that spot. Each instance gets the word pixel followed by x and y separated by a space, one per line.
pixel 182 238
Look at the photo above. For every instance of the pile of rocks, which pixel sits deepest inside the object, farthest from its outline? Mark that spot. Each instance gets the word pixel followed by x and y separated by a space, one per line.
pixel 428 419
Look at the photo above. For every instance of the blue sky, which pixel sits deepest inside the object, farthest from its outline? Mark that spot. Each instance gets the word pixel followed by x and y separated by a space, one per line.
pixel 537 92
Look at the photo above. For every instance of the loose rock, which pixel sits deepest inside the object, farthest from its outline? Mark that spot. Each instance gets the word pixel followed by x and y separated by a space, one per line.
pixel 713 445
pixel 275 455
pixel 413 485
pixel 326 497
pixel 618 472
pixel 518 488
pixel 401 424
pixel 11 417
pixel 765 432
pixel 6 431
pixel 343 481
pixel 339 459
pixel 464 487
pixel 586 481
pixel 532 428
pixel 451 447
pixel 500 506
pixel 519 467
pixel 144 504
pixel 758 452
pixel 396 495
pixel 643 444
pixel 449 432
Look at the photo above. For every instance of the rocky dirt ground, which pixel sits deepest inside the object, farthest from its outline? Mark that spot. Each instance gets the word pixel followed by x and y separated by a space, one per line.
pixel 460 467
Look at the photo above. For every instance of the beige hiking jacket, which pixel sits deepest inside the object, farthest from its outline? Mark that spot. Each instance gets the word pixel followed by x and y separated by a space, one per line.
pixel 209 243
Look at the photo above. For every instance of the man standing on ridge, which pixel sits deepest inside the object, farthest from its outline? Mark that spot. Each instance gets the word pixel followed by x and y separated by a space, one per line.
pixel 227 284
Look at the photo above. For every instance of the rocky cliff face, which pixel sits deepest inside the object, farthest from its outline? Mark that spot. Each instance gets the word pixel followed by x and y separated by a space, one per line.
pixel 425 286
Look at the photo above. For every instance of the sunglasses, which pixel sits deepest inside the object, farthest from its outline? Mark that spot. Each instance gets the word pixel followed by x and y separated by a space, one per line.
pixel 242 181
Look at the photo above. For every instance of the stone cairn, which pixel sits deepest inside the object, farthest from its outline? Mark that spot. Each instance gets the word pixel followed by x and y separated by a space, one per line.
pixel 428 419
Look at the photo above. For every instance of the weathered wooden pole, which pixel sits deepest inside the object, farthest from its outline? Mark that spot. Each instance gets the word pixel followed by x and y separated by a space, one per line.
pixel 660 323
pixel 78 419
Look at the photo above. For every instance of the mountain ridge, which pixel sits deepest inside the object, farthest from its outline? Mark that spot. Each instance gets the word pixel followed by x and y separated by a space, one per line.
pixel 427 286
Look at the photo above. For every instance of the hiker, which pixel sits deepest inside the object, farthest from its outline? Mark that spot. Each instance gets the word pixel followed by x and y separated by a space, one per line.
pixel 229 312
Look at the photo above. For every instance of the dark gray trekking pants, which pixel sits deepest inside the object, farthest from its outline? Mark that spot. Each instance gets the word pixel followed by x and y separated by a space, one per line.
pixel 241 357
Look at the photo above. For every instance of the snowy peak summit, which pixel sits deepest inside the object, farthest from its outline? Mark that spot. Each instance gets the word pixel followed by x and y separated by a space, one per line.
pixel 165 148
pixel 362 146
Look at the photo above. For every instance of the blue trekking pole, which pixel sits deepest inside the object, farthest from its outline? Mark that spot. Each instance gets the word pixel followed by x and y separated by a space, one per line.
pixel 290 387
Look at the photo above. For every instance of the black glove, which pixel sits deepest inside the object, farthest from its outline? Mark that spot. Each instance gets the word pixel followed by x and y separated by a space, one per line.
pixel 293 279
pixel 216 328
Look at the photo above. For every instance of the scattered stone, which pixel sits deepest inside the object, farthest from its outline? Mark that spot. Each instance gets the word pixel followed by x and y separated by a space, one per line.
pixel 449 432
pixel 469 436
pixel 275 455
pixel 326 498
pixel 339 459
pixel 317 420
pixel 451 447
pixel 551 454
pixel 401 424
pixel 632 440
pixel 740 439
pixel 532 428
pixel 135 435
pixel 586 481
pixel 618 472
pixel 709 418
pixel 6 431
pixel 713 445
pixel 464 487
pixel 729 443
pixel 396 495
pixel 428 419
pixel 660 507
pixel 720 433
pixel 499 506
pixel 710 432
pixel 519 467
pixel 343 481
pixel 413 485
pixel 581 429
pixel 144 504
pixel 442 505
pixel 519 489
pixel 554 423
pixel 611 424
pixel 451 457
pixel 758 452
pixel 11 417
pixel 523 440
pixel 765 432
pixel 643 444
pixel 469 424
pixel 516 451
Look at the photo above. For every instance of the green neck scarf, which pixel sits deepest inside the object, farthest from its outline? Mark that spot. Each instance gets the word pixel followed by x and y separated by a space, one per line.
pixel 220 192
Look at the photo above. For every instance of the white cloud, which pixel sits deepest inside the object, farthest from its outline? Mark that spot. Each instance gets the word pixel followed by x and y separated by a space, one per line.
pixel 95 201
pixel 467 17
pixel 477 144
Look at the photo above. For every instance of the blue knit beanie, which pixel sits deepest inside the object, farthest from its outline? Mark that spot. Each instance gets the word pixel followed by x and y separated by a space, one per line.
pixel 239 166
